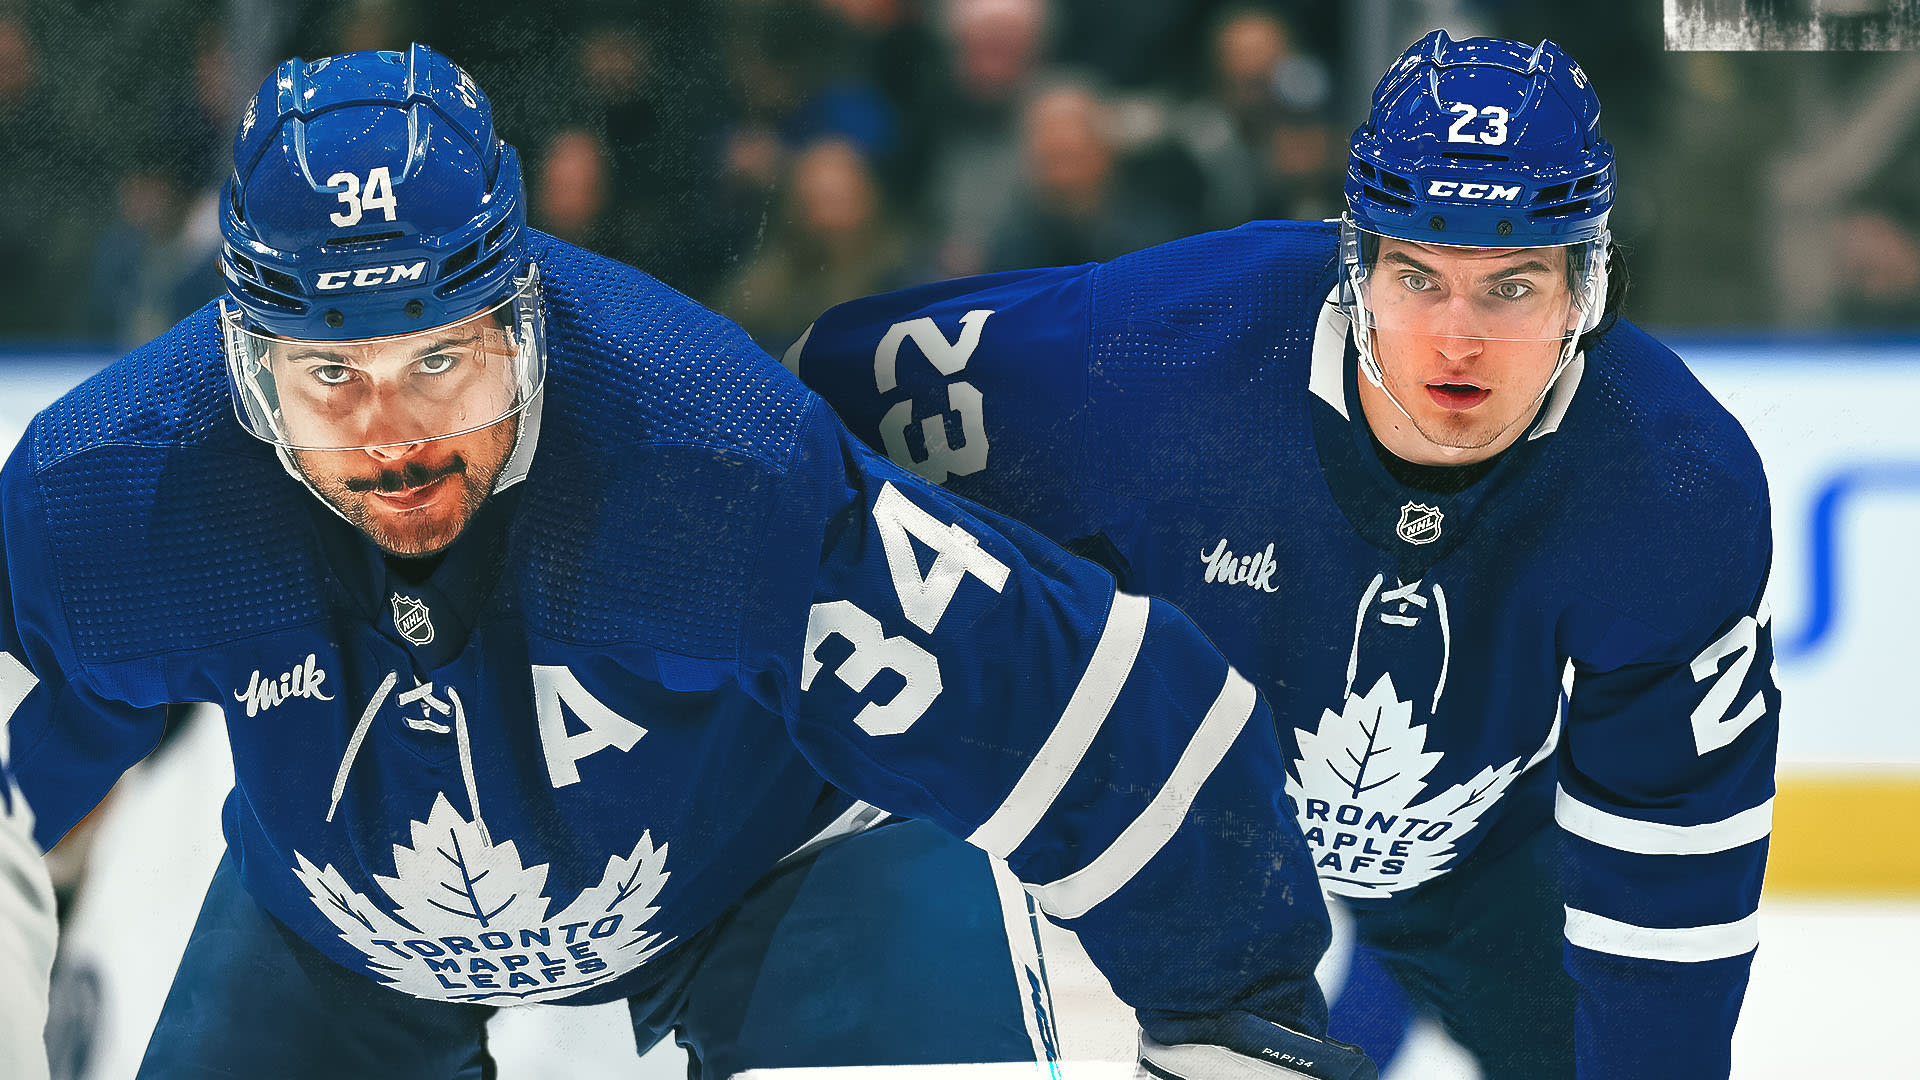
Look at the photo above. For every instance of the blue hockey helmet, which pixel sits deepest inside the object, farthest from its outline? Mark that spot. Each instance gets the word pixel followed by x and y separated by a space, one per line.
pixel 1482 143
pixel 1485 144
pixel 371 202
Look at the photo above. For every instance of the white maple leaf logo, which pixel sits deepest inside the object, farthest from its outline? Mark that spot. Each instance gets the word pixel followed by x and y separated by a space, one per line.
pixel 470 921
pixel 452 878
pixel 1355 787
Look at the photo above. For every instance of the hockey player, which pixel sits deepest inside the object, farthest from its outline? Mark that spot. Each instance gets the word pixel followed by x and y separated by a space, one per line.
pixel 558 630
pixel 1410 471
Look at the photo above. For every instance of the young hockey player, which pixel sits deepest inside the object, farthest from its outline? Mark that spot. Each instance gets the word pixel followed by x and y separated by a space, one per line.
pixel 1411 472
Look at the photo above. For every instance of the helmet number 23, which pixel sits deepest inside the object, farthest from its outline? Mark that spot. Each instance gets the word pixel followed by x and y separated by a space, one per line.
pixel 1494 115
pixel 377 194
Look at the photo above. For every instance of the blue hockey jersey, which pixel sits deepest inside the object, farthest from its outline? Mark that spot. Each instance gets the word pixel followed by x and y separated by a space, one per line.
pixel 705 622
pixel 1188 416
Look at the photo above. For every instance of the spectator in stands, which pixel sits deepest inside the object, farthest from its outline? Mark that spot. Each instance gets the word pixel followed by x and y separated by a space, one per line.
pixel 1879 266
pixel 891 46
pixel 155 262
pixel 570 195
pixel 1075 206
pixel 835 243
pixel 652 94
pixel 995 49
pixel 34 155
pixel 1280 160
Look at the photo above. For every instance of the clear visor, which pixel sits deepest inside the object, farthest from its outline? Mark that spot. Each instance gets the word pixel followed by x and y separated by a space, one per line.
pixel 1540 294
pixel 389 391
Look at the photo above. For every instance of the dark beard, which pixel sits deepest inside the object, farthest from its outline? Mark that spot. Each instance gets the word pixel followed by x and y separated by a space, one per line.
pixel 348 495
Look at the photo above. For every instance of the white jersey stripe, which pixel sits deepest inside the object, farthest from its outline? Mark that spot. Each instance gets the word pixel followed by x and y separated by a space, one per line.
pixel 27 934
pixel 1658 838
pixel 16 682
pixel 791 358
pixel 1086 711
pixel 1020 918
pixel 1682 945
pixel 1077 893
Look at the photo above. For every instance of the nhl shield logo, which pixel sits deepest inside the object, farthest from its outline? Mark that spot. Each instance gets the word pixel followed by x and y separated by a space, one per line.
pixel 1419 523
pixel 412 619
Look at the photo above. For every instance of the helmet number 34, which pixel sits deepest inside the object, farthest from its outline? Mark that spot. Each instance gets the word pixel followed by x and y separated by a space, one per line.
pixel 1495 116
pixel 378 195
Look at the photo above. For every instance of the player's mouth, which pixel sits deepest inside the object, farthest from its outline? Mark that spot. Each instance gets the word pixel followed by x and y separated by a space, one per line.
pixel 1457 396
pixel 409 487
pixel 413 498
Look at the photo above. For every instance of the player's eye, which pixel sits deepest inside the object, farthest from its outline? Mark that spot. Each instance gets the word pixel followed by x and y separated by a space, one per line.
pixel 1417 283
pixel 1512 290
pixel 438 363
pixel 332 374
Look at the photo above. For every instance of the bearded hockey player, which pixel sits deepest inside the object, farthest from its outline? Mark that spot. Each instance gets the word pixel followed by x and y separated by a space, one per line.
pixel 558 630
pixel 1411 472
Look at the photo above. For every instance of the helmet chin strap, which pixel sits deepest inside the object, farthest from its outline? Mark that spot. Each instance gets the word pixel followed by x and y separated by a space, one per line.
pixel 1370 367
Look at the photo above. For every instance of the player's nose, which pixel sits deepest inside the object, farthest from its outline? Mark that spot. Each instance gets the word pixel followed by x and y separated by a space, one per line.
pixel 1458 330
pixel 391 431
pixel 392 451
pixel 1458 347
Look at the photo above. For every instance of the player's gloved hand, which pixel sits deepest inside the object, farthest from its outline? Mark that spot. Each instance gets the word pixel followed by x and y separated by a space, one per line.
pixel 1241 1046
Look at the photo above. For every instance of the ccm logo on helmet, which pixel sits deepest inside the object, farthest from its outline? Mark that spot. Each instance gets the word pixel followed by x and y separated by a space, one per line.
pixel 368 276
pixel 1453 189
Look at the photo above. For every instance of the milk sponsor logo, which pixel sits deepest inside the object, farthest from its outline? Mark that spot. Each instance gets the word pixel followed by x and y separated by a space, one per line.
pixel 304 680
pixel 1254 571
pixel 471 922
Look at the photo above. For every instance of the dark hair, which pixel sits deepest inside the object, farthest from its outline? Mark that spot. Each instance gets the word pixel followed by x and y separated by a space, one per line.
pixel 1618 278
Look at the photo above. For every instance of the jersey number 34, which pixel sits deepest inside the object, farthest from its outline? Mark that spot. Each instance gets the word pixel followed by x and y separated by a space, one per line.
pixel 923 600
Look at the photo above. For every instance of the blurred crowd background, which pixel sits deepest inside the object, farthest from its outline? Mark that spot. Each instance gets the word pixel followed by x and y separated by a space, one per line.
pixel 774 157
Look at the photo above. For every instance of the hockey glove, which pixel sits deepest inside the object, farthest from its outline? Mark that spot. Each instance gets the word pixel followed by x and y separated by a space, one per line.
pixel 1241 1046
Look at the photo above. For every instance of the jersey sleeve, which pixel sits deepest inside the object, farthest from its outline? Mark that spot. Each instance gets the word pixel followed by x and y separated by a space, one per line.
pixel 977 384
pixel 1666 805
pixel 947 663
pixel 67 744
